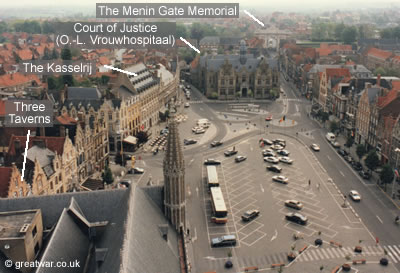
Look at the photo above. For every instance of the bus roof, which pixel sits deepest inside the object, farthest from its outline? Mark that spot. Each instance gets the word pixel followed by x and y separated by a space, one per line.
pixel 218 199
pixel 212 175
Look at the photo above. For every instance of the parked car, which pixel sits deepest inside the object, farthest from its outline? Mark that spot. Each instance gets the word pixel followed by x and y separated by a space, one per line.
pixel 335 144
pixel 286 160
pixel 271 159
pixel 240 158
pixel 187 105
pixel 277 147
pixel 230 152
pixel 250 215
pixel 211 161
pixel 294 204
pixel 315 147
pixel 267 151
pixel 226 240
pixel 365 174
pixel 355 196
pixel 281 179
pixel 268 154
pixel 199 131
pixel 137 170
pixel 216 143
pixel 342 152
pixel 269 118
pixel 283 152
pixel 275 169
pixel 357 166
pixel 348 158
pixel 189 141
pixel 164 131
pixel 296 218
pixel 266 141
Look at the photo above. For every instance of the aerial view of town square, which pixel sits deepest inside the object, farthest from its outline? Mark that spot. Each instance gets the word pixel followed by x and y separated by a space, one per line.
pixel 199 136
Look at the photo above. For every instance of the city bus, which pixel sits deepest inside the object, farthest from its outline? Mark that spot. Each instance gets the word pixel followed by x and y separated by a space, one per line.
pixel 218 206
pixel 212 176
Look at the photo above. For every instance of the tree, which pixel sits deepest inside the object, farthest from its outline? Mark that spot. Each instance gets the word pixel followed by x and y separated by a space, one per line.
pixel 380 71
pixel 196 32
pixel 372 160
pixel 142 136
pixel 349 35
pixel 349 141
pixel 67 56
pixel 3 27
pixel 46 54
pixel 339 28
pixel 386 175
pixel 51 83
pixel 334 126
pixel 360 151
pixel 48 27
pixel 324 117
pixel 214 96
pixel 54 54
pixel 104 79
pixel 107 176
pixel 181 31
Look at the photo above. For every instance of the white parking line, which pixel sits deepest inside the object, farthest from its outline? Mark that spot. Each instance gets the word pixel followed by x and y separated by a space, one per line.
pixel 341 173
pixel 328 157
pixel 380 220
pixel 262 189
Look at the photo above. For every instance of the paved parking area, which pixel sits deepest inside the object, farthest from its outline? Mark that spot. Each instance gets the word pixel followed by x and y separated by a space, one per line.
pixel 268 238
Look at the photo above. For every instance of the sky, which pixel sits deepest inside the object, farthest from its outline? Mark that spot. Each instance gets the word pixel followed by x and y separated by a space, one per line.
pixel 281 4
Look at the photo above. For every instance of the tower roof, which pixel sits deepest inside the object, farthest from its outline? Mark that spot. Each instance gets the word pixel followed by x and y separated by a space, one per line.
pixel 173 156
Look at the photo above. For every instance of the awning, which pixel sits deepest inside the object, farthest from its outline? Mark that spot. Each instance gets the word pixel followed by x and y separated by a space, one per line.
pixel 131 140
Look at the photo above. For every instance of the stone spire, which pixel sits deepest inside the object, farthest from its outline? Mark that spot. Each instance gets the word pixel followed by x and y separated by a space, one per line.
pixel 174 176
pixel 243 52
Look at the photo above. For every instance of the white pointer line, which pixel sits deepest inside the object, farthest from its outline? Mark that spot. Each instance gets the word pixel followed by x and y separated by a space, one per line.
pixel 25 154
pixel 189 44
pixel 254 18
pixel 120 70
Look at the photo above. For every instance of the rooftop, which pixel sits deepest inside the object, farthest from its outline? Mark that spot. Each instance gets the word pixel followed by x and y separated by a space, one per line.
pixel 12 222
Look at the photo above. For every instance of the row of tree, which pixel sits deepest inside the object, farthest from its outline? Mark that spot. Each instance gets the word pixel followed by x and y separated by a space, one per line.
pixel 329 31
pixel 29 26
pixel 391 33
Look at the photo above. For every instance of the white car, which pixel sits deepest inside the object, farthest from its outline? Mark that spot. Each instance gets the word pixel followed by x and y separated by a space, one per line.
pixel 285 159
pixel 294 204
pixel 315 147
pixel 281 179
pixel 355 196
pixel 267 151
pixel 240 158
pixel 200 131
pixel 196 128
pixel 187 105
pixel 271 159
pixel 277 147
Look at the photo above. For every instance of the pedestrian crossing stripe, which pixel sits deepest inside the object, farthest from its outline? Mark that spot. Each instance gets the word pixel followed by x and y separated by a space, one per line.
pixel 312 254
pixel 195 101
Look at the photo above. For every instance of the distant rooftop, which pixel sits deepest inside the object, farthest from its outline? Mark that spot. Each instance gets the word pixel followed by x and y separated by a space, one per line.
pixel 12 222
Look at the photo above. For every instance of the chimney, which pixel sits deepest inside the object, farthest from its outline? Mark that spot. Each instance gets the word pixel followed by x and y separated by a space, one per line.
pixel 378 80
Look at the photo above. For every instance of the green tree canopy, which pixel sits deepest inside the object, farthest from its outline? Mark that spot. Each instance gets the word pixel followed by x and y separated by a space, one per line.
pixel 372 160
pixel 339 28
pixel 107 176
pixel 181 31
pixel 380 70
pixel 387 175
pixel 334 126
pixel 349 35
pixel 349 141
pixel 360 151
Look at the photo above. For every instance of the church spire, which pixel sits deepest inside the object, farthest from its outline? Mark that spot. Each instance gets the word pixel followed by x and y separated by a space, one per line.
pixel 243 52
pixel 174 176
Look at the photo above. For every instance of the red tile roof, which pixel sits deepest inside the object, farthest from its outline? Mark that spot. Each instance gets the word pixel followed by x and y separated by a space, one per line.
pixel 396 59
pixel 9 80
pixel 324 51
pixel 385 100
pixel 65 119
pixel 396 85
pixel 337 72
pixel 195 62
pixel 5 175
pixel 378 53
pixel 103 60
pixel 25 54
pixel 55 144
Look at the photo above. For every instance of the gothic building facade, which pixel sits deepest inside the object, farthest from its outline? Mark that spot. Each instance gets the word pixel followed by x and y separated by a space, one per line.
pixel 232 76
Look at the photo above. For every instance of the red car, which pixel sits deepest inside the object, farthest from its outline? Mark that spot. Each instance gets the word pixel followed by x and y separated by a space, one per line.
pixel 268 118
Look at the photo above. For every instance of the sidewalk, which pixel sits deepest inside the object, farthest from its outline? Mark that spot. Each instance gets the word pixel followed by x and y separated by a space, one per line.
pixel 375 176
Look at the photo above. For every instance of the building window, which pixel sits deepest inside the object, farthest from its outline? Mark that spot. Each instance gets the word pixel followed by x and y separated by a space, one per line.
pixel 34 231
pixel 51 184
pixel 231 81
